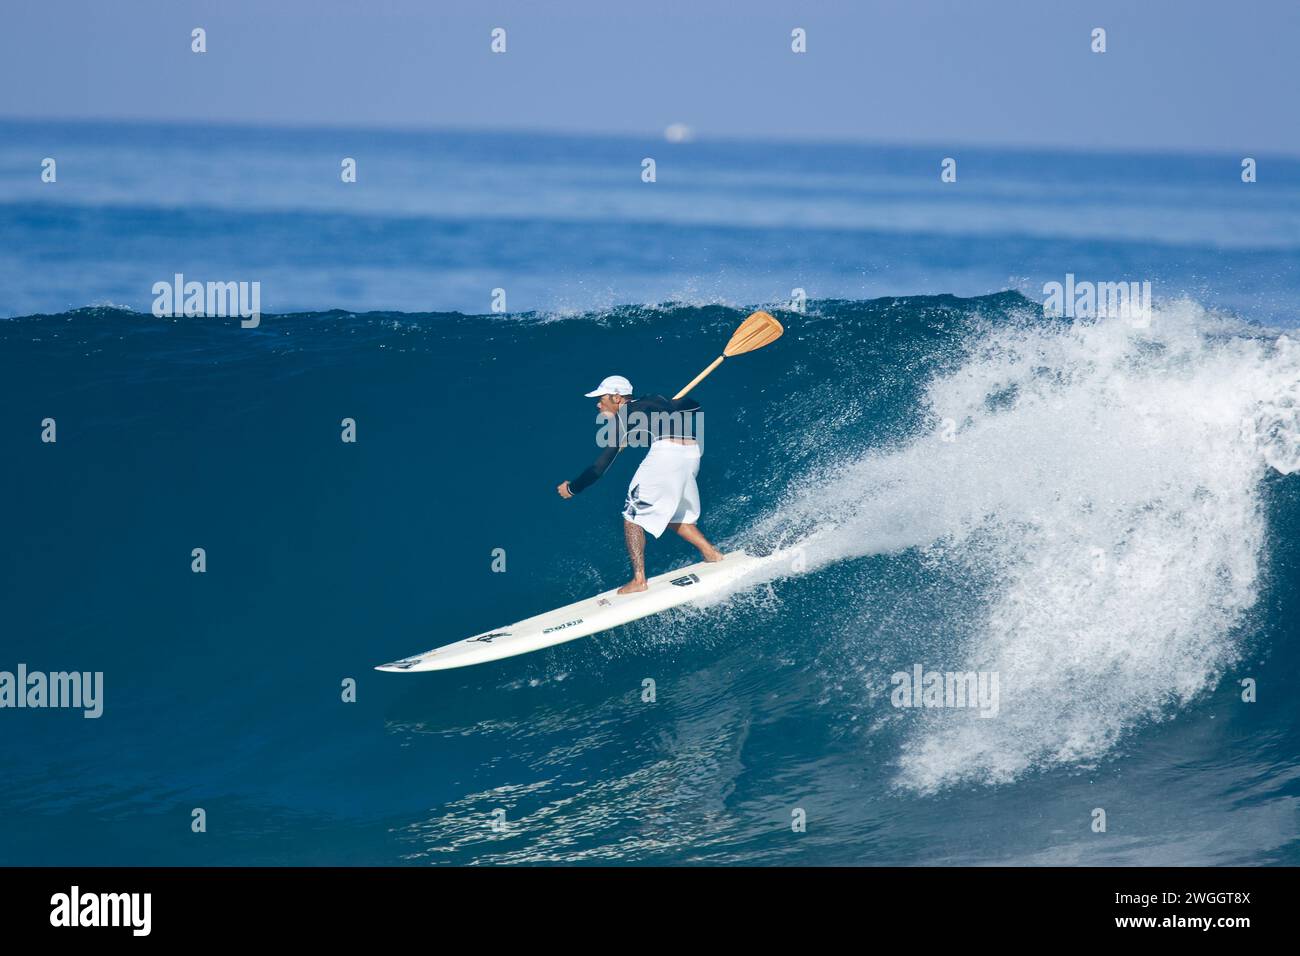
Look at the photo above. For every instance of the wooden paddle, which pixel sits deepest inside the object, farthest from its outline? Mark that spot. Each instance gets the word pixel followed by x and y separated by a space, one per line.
pixel 756 331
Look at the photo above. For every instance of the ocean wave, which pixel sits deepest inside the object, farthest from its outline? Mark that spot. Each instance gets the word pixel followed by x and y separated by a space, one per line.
pixel 1100 486
pixel 1079 506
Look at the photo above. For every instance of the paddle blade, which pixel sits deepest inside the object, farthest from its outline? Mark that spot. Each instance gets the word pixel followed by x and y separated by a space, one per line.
pixel 756 331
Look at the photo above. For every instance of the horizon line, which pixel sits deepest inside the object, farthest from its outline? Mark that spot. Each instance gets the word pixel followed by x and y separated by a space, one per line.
pixel 657 135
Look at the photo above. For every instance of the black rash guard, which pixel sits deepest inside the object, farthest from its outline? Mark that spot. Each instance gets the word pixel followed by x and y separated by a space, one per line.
pixel 656 410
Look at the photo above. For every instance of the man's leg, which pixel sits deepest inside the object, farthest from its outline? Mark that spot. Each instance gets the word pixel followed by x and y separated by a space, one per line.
pixel 634 535
pixel 692 534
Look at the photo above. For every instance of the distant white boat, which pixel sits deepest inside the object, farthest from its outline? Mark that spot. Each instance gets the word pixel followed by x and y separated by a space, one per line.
pixel 679 133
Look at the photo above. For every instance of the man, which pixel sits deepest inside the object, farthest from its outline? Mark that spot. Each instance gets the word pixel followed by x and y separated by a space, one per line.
pixel 663 493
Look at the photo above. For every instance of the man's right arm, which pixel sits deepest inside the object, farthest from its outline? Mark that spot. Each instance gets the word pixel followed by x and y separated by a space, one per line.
pixel 595 470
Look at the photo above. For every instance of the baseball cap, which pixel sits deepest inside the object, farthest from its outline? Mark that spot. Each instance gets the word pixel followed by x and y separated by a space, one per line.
pixel 612 385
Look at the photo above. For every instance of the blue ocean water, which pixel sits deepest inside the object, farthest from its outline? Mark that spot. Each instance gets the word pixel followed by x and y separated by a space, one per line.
pixel 1101 511
pixel 436 221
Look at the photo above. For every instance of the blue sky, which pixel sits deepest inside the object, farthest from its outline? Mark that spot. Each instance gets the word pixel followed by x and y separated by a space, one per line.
pixel 1200 76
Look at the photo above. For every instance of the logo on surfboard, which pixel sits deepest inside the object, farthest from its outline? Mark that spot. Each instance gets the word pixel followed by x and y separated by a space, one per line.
pixel 560 627
pixel 686 580
pixel 487 638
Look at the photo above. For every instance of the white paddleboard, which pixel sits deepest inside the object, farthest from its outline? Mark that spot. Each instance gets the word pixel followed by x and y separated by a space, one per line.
pixel 584 618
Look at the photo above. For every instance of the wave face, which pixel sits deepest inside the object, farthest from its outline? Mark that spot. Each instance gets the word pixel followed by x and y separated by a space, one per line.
pixel 1102 514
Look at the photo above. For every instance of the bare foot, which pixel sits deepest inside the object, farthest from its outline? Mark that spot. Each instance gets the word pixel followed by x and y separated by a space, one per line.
pixel 696 537
pixel 636 584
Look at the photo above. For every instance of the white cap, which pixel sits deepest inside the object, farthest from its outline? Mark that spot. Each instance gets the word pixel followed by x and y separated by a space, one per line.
pixel 612 385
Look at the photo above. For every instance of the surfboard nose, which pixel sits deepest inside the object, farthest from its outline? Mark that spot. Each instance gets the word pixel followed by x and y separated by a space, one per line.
pixel 405 664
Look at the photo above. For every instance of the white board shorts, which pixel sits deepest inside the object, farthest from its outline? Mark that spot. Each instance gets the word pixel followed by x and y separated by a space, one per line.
pixel 663 490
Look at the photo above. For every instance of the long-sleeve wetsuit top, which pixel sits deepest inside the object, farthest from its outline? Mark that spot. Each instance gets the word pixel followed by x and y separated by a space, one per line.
pixel 662 417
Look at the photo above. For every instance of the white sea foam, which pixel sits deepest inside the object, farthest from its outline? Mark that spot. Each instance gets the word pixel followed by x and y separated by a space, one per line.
pixel 1106 480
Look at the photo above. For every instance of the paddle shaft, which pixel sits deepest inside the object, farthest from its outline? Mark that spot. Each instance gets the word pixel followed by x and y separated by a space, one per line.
pixel 699 378
pixel 758 330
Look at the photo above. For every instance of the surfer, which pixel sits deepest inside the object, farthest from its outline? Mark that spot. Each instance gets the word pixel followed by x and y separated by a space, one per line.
pixel 663 493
